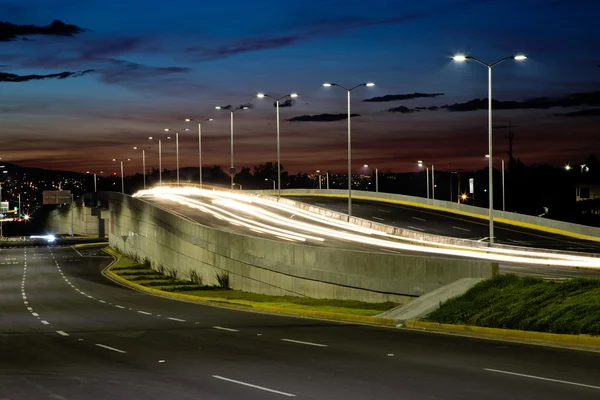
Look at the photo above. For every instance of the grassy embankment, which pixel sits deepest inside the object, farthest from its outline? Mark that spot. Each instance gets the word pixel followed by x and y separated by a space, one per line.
pixel 170 280
pixel 532 304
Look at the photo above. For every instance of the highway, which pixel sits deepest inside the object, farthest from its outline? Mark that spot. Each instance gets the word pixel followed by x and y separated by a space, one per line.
pixel 262 217
pixel 449 224
pixel 68 333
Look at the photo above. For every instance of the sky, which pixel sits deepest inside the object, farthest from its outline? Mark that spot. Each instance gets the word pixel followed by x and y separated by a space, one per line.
pixel 137 67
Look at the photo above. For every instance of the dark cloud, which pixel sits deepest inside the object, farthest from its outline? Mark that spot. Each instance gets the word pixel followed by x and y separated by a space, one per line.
pixel 540 103
pixel 10 31
pixel 287 103
pixel 589 112
pixel 7 77
pixel 403 110
pixel 322 117
pixel 241 106
pixel 328 26
pixel 399 97
pixel 121 71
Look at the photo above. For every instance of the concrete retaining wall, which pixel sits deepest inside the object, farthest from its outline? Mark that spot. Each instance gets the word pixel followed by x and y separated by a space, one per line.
pixel 84 223
pixel 522 220
pixel 266 266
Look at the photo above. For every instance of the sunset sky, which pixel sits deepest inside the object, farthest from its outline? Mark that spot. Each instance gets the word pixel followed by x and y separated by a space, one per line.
pixel 157 62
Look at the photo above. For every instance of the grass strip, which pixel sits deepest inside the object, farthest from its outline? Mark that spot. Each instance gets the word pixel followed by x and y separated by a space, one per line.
pixel 142 275
pixel 527 303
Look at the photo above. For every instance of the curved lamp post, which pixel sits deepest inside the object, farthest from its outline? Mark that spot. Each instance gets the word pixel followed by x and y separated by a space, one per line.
pixel 463 58
pixel 176 148
pixel 232 111
pixel 122 179
pixel 291 95
pixel 349 139
pixel 143 164
pixel 199 142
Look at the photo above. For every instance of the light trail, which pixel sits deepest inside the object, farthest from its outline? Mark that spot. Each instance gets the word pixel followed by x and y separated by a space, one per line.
pixel 236 208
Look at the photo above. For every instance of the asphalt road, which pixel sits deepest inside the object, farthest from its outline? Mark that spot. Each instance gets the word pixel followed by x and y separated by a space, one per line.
pixel 83 337
pixel 448 224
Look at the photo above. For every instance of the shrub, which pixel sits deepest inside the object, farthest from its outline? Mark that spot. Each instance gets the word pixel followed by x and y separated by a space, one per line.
pixel 172 273
pixel 194 277
pixel 223 279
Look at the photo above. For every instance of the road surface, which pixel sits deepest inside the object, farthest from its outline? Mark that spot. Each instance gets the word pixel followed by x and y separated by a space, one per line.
pixel 449 224
pixel 67 333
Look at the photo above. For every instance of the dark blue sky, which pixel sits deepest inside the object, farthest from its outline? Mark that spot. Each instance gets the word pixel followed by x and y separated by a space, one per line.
pixel 156 63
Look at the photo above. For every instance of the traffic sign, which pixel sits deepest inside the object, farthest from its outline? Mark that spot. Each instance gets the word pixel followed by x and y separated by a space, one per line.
pixel 232 171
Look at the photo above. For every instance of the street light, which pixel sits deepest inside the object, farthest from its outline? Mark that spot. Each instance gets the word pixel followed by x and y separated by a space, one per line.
pixel 272 180
pixel 421 165
pixel 176 148
pixel 143 164
pixel 463 58
pixel 376 177
pixel 327 178
pixel 503 186
pixel 292 95
pixel 237 185
pixel 159 159
pixel 349 139
pixel 95 179
pixel 199 142
pixel 231 110
pixel 122 179
pixel 568 167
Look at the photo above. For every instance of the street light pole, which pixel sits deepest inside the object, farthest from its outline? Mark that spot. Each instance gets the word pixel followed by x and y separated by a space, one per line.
pixel 231 110
pixel 277 100
pixel 503 185
pixel 176 149
pixel 432 182
pixel 143 164
pixel 376 178
pixel 199 143
pixel 349 140
pixel 122 178
pixel 421 165
pixel 462 58
pixel 272 180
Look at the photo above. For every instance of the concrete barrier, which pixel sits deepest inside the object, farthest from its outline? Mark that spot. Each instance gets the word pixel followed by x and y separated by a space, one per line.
pixel 260 265
pixel 84 222
pixel 525 221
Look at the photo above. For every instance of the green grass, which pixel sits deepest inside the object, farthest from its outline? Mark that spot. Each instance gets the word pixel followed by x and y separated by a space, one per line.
pixel 531 304
pixel 142 275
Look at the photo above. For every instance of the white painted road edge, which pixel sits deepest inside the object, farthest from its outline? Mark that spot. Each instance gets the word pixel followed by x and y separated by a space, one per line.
pixel 225 329
pixel 306 343
pixel 542 379
pixel 254 386
pixel 110 348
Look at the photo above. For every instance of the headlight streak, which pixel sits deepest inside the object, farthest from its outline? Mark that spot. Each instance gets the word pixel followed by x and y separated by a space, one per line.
pixel 245 203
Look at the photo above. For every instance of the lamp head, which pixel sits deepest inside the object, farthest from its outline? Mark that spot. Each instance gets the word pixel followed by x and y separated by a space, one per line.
pixel 114 159
pixel 327 84
pixel 487 156
pixel 366 166
pixel 369 84
pixel 186 129
pixel 218 107
pixel 460 58
pixel 318 171
pixel 294 95
pixel 167 129
pixel 520 57
pixel 135 147
pixel 210 119
pixel 188 119
pixel 150 137
pixel 244 108
pixel 260 95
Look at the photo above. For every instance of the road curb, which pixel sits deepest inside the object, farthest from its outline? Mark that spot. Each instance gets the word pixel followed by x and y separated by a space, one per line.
pixel 506 221
pixel 360 319
pixel 580 342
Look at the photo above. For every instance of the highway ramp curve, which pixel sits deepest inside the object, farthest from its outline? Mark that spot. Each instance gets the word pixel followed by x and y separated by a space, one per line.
pixel 66 332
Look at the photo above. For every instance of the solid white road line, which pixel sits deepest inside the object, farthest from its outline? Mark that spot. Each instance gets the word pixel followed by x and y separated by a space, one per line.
pixel 462 229
pixel 254 386
pixel 307 343
pixel 419 219
pixel 145 313
pixel 119 306
pixel 225 329
pixel 416 229
pixel 379 219
pixel 62 333
pixel 110 348
pixel 541 378
pixel 101 301
pixel 45 322
pixel 176 319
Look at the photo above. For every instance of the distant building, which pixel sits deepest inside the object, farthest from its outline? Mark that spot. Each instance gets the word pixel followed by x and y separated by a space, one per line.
pixel 587 191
